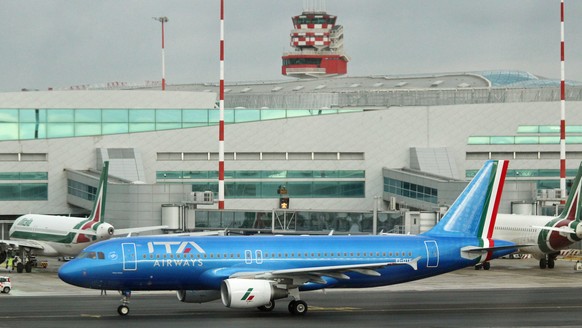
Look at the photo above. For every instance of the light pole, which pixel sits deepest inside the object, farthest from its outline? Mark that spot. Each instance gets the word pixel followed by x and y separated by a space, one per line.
pixel 163 20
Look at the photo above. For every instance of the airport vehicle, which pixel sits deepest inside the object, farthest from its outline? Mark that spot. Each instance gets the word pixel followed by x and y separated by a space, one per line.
pixel 5 284
pixel 50 235
pixel 545 235
pixel 254 271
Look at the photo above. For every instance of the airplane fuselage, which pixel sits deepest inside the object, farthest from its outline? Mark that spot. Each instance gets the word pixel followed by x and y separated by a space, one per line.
pixel 524 230
pixel 202 263
pixel 57 235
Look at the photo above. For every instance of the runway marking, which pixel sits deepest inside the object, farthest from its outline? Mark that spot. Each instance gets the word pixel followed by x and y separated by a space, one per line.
pixel 97 316
pixel 337 309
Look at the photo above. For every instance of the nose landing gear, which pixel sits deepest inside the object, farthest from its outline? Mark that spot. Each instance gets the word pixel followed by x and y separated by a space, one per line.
pixel 123 309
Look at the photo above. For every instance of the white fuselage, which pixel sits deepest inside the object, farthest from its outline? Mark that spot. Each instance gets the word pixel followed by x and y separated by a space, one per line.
pixel 54 235
pixel 522 230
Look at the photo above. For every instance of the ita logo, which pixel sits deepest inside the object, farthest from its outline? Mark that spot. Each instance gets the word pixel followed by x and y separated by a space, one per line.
pixel 248 297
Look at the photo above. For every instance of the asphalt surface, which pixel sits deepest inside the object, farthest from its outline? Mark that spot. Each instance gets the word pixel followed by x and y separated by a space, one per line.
pixel 514 293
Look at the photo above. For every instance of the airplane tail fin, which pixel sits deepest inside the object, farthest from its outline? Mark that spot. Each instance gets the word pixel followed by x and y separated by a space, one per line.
pixel 475 210
pixel 573 210
pixel 98 212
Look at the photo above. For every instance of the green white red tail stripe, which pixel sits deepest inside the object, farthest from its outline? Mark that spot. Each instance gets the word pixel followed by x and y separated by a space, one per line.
pixel 497 180
pixel 97 216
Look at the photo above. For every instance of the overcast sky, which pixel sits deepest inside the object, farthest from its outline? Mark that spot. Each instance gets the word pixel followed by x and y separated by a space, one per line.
pixel 62 43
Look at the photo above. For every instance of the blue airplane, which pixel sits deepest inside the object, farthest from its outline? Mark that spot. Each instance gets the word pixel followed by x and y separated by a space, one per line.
pixel 254 271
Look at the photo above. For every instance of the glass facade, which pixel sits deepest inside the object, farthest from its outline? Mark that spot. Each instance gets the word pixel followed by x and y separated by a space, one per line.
pixel 25 124
pixel 541 173
pixel 304 189
pixel 538 136
pixel 23 191
pixel 81 190
pixel 299 183
pixel 411 190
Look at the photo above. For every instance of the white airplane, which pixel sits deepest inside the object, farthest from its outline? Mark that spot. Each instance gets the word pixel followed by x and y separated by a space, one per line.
pixel 52 235
pixel 547 235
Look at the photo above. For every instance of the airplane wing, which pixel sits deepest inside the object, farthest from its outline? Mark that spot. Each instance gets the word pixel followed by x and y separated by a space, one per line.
pixel 21 243
pixel 129 231
pixel 300 276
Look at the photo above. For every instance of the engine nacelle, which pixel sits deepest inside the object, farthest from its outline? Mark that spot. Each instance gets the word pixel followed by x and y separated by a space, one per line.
pixel 249 293
pixel 197 296
pixel 579 230
pixel 105 231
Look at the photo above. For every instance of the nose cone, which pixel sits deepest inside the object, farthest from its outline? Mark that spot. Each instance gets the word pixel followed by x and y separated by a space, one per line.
pixel 73 274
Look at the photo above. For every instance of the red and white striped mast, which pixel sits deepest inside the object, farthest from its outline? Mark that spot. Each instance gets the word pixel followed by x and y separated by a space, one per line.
pixel 163 20
pixel 221 111
pixel 563 110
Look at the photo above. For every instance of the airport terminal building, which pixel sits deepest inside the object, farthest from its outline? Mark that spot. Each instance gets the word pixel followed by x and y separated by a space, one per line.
pixel 344 148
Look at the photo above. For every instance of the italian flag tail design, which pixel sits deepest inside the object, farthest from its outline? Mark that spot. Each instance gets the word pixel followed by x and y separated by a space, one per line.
pixel 474 212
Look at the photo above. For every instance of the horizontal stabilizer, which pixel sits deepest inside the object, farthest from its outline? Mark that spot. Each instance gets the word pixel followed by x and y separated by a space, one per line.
pixel 474 252
pixel 88 232
pixel 563 229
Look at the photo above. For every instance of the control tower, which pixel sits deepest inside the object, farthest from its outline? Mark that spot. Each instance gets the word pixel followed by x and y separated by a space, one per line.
pixel 318 44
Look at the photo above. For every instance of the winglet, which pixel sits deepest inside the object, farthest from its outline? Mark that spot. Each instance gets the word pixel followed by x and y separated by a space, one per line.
pixel 475 210
pixel 98 212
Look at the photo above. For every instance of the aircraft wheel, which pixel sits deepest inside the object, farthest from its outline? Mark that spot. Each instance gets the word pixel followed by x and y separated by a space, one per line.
pixel 19 267
pixel 123 310
pixel 28 267
pixel 291 306
pixel 486 266
pixel 298 307
pixel 543 263
pixel 267 307
pixel 551 263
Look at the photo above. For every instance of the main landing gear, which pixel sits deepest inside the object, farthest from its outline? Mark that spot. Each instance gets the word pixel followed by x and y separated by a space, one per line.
pixel 549 261
pixel 484 266
pixel 123 309
pixel 296 306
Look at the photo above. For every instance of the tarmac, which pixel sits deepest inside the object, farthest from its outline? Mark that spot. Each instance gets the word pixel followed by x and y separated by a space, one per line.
pixel 504 273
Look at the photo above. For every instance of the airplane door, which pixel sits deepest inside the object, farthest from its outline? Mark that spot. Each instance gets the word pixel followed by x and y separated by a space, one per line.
pixel 432 254
pixel 129 257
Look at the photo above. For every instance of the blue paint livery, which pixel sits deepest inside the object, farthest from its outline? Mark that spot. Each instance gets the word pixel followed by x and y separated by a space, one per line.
pixel 280 266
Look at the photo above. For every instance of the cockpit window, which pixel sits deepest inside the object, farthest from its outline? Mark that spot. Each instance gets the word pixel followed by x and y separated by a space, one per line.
pixel 92 255
pixel 87 255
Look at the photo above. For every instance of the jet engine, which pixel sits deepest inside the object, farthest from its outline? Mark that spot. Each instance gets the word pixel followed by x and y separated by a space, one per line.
pixel 105 231
pixel 197 296
pixel 579 230
pixel 248 293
